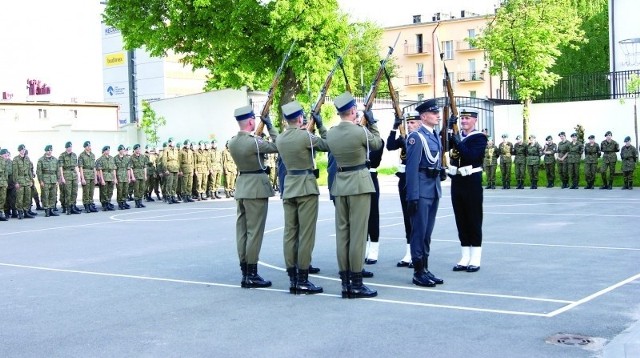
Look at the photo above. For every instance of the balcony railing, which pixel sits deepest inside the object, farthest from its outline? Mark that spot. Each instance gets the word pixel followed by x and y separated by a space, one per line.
pixel 418 80
pixel 470 76
pixel 417 49
pixel 466 46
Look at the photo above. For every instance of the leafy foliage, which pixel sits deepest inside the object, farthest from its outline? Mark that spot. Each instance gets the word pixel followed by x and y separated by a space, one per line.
pixel 150 123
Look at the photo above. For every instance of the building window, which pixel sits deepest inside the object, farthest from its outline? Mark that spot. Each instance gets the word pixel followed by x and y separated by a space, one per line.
pixel 418 43
pixel 472 70
pixel 473 94
pixel 447 47
pixel 42 113
pixel 420 96
pixel 471 35
pixel 420 72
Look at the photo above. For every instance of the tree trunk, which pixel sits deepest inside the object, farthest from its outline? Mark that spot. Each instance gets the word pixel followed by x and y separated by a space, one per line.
pixel 288 91
pixel 525 119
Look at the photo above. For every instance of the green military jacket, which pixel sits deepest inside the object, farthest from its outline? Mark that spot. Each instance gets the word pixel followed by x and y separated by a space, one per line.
pixel 575 152
pixel 629 156
pixel 227 161
pixel 294 148
pixel 152 160
pixel 563 149
pixel 491 155
pixel 505 149
pixel 107 165
pixel 591 153
pixel 216 160
pixel 247 152
pixel 520 152
pixel 348 144
pixel 187 160
pixel 22 170
pixel 170 157
pixel 123 164
pixel 47 169
pixel 138 165
pixel 160 168
pixel 534 151
pixel 201 160
pixel 4 173
pixel 87 163
pixel 68 162
pixel 549 151
pixel 609 150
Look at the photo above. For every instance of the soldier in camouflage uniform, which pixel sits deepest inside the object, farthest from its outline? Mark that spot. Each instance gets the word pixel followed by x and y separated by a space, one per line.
pixel 549 150
pixel 130 186
pixel 23 177
pixel 230 172
pixel 68 163
pixel 609 148
pixel 48 176
pixel 87 171
pixel 629 156
pixel 563 164
pixel 506 150
pixel 106 177
pixel 123 173
pixel 520 153
pixel 160 170
pixel 216 171
pixel 153 182
pixel 4 183
pixel 138 175
pixel 187 167
pixel 534 151
pixel 10 205
pixel 490 163
pixel 573 160
pixel 171 166
pixel 202 169
pixel 180 182
pixel 591 155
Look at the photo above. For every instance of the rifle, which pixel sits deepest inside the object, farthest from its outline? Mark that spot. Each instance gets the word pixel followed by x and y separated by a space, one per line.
pixel 396 104
pixel 373 90
pixel 450 104
pixel 272 91
pixel 317 106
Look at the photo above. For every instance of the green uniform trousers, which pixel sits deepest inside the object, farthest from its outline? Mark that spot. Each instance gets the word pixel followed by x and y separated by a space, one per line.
pixel 611 168
pixel 106 192
pixel 520 171
pixel 229 181
pixel 153 185
pixel 70 188
pixel 214 180
pixel 533 171
pixel 122 190
pixel 574 172
pixel 505 170
pixel 3 198
pixel 250 221
pixel 590 170
pixel 87 191
pixel 171 183
pixel 352 220
pixel 23 197
pixel 551 172
pixel 138 188
pixel 62 190
pixel 563 171
pixel 491 173
pixel 187 183
pixel 49 195
pixel 300 217
pixel 200 183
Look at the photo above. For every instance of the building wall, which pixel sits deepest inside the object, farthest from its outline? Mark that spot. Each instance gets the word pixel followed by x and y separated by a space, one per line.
pixel 408 55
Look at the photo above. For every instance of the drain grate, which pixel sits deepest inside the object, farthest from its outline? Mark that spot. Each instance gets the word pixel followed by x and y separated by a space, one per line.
pixel 570 340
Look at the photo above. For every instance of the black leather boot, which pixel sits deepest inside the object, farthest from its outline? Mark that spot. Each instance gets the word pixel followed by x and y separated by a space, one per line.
pixel 31 212
pixel 92 208
pixel 120 206
pixel 76 208
pixel 367 274
pixel 243 268
pixel 346 284
pixel 358 289
pixel 3 217
pixel 87 210
pixel 52 213
pixel 253 279
pixel 7 214
pixel 420 277
pixel 46 213
pixel 610 186
pixel 70 210
pixel 304 286
pixel 202 197
pixel 431 276
pixel 293 276
pixel 140 204
pixel 105 206
pixel 64 209
pixel 27 215
pixel 313 270
pixel 20 215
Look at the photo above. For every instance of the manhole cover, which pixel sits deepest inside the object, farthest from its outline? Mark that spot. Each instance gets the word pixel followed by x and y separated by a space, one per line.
pixel 570 340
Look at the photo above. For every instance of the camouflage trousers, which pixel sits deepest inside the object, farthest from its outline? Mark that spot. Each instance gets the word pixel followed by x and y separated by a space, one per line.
pixel 574 172
pixel 551 172
pixel 520 171
pixel 590 170
pixel 612 169
pixel 139 187
pixel 533 171
pixel 70 188
pixel 23 197
pixel 106 192
pixel 87 191
pixel 505 170
pixel 213 182
pixel 201 182
pixel 49 195
pixel 3 197
pixel 122 190
pixel 563 171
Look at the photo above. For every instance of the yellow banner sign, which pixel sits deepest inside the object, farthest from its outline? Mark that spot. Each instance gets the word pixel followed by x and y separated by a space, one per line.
pixel 114 59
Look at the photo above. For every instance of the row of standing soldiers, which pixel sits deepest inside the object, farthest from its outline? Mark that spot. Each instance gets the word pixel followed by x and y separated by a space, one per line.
pixel 566 156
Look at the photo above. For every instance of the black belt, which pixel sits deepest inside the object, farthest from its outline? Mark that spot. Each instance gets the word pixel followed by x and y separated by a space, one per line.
pixel 351 169
pixel 259 171
pixel 431 172
pixel 299 172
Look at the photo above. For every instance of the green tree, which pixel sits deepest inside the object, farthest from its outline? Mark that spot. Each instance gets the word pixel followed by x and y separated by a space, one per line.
pixel 524 40
pixel 150 123
pixel 242 42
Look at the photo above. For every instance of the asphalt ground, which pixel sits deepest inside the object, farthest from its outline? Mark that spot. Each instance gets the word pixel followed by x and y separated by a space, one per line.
pixel 559 278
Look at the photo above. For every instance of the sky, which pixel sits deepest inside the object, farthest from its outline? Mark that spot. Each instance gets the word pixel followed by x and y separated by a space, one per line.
pixel 40 40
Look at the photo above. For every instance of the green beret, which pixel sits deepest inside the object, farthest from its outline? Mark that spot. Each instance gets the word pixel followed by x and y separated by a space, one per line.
pixel 86 144
pixel 592 137
pixel 67 145
pixel 120 147
pixel 505 135
pixel 186 142
pixel 518 137
pixel 549 138
pixel 136 146
pixel 170 139
pixel 574 135
pixel 164 144
pixel 627 139
pixel 145 147
pixel 3 151
pixel 213 141
pixel 48 148
pixel 105 148
pixel 21 147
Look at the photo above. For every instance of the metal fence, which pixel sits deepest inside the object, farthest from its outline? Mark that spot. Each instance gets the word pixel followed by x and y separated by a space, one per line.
pixel 582 87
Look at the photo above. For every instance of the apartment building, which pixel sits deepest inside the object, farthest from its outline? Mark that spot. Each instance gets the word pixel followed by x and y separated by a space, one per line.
pixel 419 68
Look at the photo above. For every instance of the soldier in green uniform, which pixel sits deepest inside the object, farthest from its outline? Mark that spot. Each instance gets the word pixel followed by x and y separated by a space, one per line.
pixel 352 188
pixel 48 176
pixel 575 153
pixel 506 150
pixel 520 160
pixel 273 173
pixel 216 171
pixel 10 204
pixel 534 151
pixel 23 177
pixel 629 156
pixel 68 163
pixel 130 185
pixel 180 185
pixel 490 163
pixel 152 176
pixel 591 155
pixel 609 148
pixel 201 158
pixel 123 174
pixel 4 183
pixel 160 172
pixel 106 177
pixel 230 172
pixel 187 167
pixel 171 166
pixel 252 197
pixel 549 150
pixel 297 149
pixel 138 175
pixel 34 190
pixel 563 164
pixel 87 171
